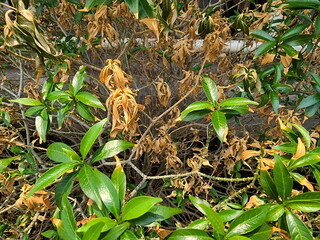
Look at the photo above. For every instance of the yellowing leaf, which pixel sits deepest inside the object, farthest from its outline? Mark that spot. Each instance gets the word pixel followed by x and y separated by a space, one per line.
pixel 301 150
pixel 249 153
pixel 153 25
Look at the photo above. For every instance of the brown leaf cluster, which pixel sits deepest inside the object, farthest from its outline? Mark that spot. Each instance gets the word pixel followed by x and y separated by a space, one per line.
pixel 65 13
pixel 163 92
pixel 8 138
pixel 39 201
pixel 181 50
pixel 121 103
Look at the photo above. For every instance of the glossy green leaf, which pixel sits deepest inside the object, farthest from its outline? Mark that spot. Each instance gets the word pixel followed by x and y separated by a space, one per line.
pixel 195 115
pixel 275 212
pixel 27 101
pixel 293 31
pixel 299 40
pixel 5 162
pixel 199 105
pixel 146 9
pixel 238 238
pixel 68 220
pixel 128 235
pixel 34 111
pixel 236 109
pixel 107 222
pixel 138 206
pixel 189 234
pixel 210 89
pixel 304 133
pixel 268 184
pixel 84 111
pixel 282 178
pixel 78 80
pixel 229 214
pixel 90 100
pixel 108 193
pixel 197 201
pixel 119 181
pixel 297 229
pixel 309 101
pixel 60 152
pixel 116 231
pixel 200 224
pixel 51 175
pixel 286 147
pixel 111 149
pixel 58 95
pixel 219 123
pixel 265 47
pixel 275 101
pixel 237 101
pixel 305 202
pixel 248 221
pixel 308 159
pixel 133 6
pixel 262 233
pixel 93 233
pixel 64 187
pixel 90 137
pixel 262 35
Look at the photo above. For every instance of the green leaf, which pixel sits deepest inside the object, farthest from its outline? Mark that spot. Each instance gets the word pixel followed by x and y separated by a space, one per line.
pixel 68 220
pixel 5 162
pixel 293 31
pixel 282 178
pixel 116 231
pixel 200 224
pixel 289 50
pixel 229 214
pixel 157 213
pixel 275 212
pixel 305 202
pixel 219 123
pixel 93 233
pixel 42 124
pixel 195 115
pixel 299 40
pixel 49 233
pixel 84 111
pixel 64 187
pixel 90 100
pixel 213 217
pixel 107 222
pixel 78 79
pixel 34 111
pixel 286 147
pixel 138 206
pixel 119 181
pixel 298 230
pixel 308 159
pixel 210 89
pixel 262 35
pixel 275 101
pixel 58 95
pixel 239 238
pixel 235 110
pixel 133 6
pixel 108 193
pixel 110 149
pixel 262 233
pixel 128 235
pixel 268 185
pixel 309 101
pixel 51 175
pixel 189 234
pixel 304 133
pixel 236 101
pixel 90 137
pixel 248 221
pixel 302 4
pixel 265 47
pixel 60 152
pixel 146 9
pixel 200 105
pixel 28 101
pixel 317 26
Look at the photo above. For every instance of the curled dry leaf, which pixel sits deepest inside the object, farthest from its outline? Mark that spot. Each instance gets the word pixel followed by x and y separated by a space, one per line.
pixel 153 25
pixel 254 201
pixel 181 50
pixel 163 92
pixel 266 163
pixel 301 150
pixel 249 153
pixel 39 201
